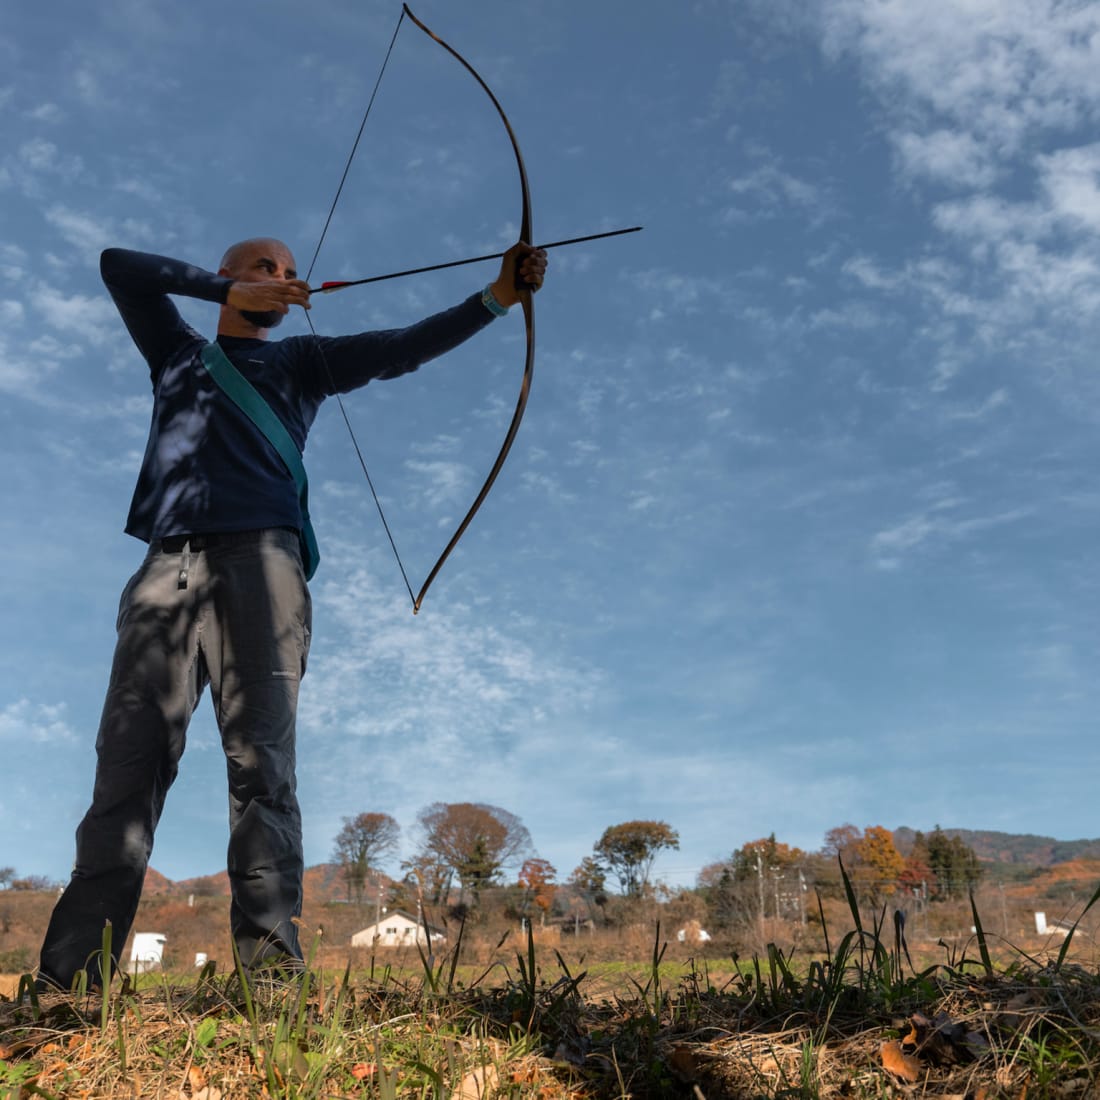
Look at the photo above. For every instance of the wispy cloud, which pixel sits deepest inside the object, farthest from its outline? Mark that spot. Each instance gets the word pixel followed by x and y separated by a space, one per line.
pixel 93 318
pixel 945 156
pixel 40 723
pixel 934 529
pixel 38 165
pixel 768 189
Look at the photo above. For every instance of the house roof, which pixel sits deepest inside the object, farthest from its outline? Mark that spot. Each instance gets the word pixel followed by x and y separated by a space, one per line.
pixel 435 929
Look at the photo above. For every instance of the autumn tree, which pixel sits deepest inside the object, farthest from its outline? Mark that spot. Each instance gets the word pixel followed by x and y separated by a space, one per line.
pixel 474 841
pixel 878 863
pixel 628 851
pixel 870 859
pixel 766 853
pixel 536 876
pixel 360 846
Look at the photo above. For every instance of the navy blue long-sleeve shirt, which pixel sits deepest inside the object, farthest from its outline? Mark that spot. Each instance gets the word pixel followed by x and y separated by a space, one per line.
pixel 207 468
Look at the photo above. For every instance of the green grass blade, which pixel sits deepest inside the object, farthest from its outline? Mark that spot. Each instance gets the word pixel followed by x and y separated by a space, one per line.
pixel 1069 935
pixel 979 931
pixel 853 905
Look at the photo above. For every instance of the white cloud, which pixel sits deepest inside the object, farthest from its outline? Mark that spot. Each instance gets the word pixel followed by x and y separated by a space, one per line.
pixel 769 189
pixel 85 232
pixel 46 112
pixel 1071 181
pixel 979 92
pixel 870 273
pixel 431 700
pixel 12 262
pixel 93 318
pixel 1004 69
pixel 441 482
pixel 41 723
pixel 39 165
pixel 945 156
pixel 998 399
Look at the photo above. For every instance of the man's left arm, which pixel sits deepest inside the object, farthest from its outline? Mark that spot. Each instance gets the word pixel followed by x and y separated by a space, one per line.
pixel 353 361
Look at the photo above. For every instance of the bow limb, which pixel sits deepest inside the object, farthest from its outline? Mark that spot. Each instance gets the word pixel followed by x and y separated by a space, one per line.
pixel 527 304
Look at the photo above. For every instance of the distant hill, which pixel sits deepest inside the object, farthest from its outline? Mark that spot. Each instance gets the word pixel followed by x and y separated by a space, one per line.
pixel 323 882
pixel 1019 848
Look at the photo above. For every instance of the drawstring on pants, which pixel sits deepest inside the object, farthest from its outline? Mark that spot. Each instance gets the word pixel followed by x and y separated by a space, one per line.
pixel 185 564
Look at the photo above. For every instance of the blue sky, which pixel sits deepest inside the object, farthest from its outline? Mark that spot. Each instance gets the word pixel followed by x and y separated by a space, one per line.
pixel 800 527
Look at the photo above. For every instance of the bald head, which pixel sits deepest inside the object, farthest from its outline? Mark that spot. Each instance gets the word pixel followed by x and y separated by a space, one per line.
pixel 241 256
pixel 257 260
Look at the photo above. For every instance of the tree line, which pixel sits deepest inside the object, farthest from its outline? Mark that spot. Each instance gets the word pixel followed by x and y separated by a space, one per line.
pixel 465 848
pixel 766 878
pixel 468 854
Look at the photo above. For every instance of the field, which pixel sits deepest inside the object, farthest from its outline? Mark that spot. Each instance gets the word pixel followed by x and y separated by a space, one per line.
pixel 862 1016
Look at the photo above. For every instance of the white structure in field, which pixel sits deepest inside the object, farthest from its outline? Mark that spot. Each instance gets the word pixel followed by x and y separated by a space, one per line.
pixel 1051 928
pixel 147 952
pixel 693 932
pixel 397 929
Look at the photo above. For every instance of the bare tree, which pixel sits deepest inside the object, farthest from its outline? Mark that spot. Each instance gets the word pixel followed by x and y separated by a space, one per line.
pixel 360 846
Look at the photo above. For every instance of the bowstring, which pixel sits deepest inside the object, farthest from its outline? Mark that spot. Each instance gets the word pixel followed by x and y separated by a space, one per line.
pixel 309 321
pixel 355 146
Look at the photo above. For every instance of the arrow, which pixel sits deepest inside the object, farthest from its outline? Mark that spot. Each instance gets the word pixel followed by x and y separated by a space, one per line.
pixel 329 287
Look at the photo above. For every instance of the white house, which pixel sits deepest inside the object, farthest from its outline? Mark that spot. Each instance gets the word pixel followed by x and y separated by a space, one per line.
pixel 147 951
pixel 397 929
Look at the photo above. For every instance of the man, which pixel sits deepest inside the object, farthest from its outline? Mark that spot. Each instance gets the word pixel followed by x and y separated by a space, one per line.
pixel 221 597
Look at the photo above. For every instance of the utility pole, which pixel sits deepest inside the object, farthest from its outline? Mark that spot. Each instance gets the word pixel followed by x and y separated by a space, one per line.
pixel 760 890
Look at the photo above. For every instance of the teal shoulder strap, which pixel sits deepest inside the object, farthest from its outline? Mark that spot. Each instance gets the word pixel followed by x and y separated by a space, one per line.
pixel 249 401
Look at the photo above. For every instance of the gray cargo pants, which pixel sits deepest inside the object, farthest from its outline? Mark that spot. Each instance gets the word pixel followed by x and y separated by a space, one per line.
pixel 231 611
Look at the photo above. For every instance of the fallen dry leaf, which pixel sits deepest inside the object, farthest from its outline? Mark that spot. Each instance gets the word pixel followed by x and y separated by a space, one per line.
pixel 196 1078
pixel 683 1063
pixel 477 1084
pixel 9 1051
pixel 895 1061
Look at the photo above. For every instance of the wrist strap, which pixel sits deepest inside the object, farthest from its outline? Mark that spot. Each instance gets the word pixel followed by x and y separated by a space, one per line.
pixel 489 301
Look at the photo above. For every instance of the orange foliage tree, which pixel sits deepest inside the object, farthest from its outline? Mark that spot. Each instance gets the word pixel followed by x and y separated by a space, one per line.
pixel 536 876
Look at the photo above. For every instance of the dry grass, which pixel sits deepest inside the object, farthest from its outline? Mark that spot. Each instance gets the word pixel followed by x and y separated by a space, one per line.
pixel 860 1022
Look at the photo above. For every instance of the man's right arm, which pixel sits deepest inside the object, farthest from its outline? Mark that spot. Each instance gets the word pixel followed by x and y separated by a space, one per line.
pixel 140 284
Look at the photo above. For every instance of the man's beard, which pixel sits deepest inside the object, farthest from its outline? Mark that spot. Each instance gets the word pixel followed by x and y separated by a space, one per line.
pixel 267 319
